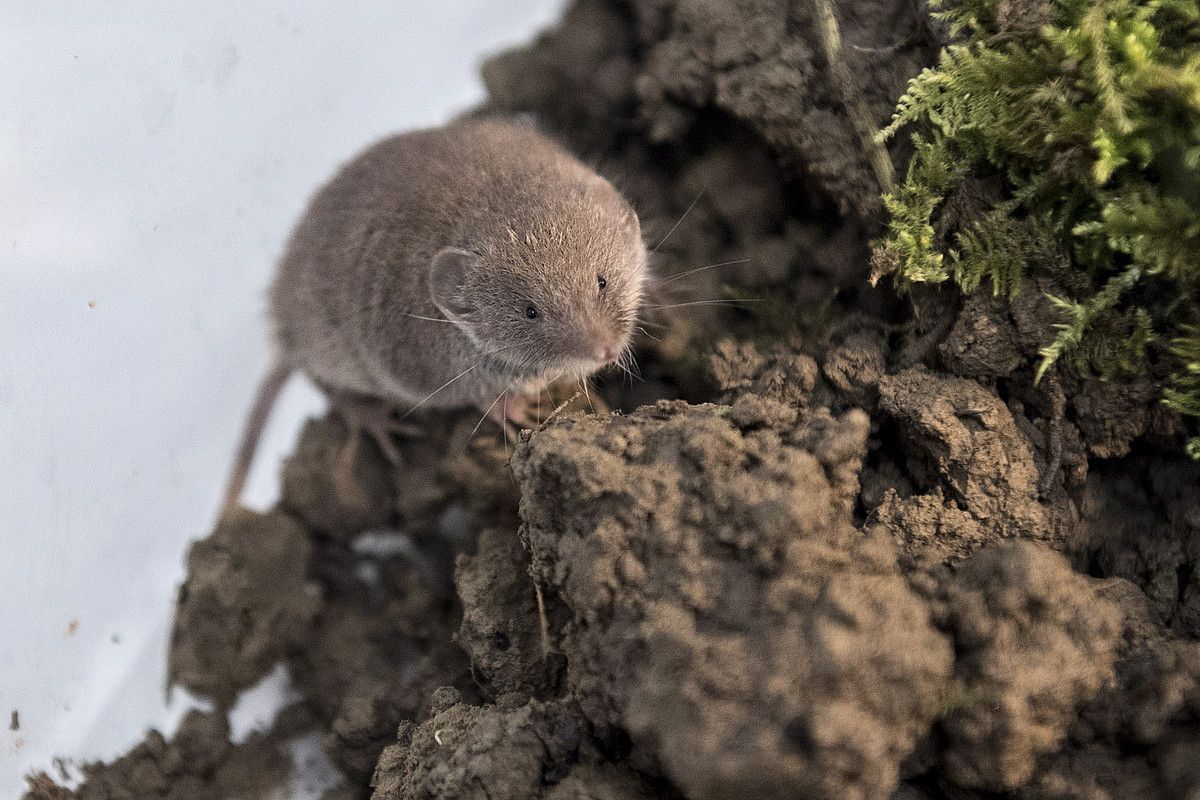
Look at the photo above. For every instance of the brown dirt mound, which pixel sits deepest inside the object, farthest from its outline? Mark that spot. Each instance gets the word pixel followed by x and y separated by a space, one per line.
pixel 724 611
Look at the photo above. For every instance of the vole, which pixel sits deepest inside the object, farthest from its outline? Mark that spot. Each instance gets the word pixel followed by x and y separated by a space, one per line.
pixel 467 265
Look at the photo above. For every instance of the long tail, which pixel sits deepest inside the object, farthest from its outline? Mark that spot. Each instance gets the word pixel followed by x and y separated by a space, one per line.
pixel 264 400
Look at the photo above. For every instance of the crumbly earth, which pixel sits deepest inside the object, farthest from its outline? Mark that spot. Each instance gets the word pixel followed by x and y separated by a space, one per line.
pixel 252 572
pixel 837 545
pixel 198 763
pixel 725 614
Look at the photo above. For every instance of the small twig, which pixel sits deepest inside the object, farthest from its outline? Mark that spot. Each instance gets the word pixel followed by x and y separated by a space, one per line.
pixel 886 50
pixel 852 99
pixel 1058 411
pixel 543 620
pixel 556 411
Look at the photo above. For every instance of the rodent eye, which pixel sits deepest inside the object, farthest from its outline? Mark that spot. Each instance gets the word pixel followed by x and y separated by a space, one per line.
pixel 531 312
pixel 600 280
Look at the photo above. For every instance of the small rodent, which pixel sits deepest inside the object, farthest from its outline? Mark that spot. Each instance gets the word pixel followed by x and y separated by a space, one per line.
pixel 467 265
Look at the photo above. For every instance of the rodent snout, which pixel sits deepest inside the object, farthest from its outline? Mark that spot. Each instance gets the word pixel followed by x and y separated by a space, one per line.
pixel 605 353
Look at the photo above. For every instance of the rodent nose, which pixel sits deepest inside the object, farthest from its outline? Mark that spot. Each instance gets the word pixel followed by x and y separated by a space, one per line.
pixel 606 354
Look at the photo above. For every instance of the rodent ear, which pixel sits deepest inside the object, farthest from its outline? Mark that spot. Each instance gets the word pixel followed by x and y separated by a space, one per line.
pixel 629 221
pixel 448 273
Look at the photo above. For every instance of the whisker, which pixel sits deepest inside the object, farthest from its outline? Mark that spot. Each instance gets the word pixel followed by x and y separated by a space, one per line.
pixel 440 388
pixel 452 380
pixel 701 269
pixel 648 334
pixel 620 364
pixel 677 224
pixel 635 366
pixel 504 428
pixel 634 375
pixel 705 303
pixel 651 323
pixel 437 319
pixel 485 414
pixel 583 381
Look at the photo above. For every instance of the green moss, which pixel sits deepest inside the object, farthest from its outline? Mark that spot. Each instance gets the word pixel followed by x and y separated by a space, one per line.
pixel 1088 119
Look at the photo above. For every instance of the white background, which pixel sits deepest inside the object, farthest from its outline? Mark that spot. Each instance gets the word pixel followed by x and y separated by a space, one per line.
pixel 153 157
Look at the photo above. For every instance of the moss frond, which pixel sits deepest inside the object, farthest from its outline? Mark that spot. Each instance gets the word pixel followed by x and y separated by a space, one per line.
pixel 1091 124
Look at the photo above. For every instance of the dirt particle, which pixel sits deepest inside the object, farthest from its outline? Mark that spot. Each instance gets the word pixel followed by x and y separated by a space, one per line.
pixel 72 627
pixel 14 723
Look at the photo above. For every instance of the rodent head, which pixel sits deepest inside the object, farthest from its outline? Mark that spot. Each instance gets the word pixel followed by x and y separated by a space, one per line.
pixel 552 281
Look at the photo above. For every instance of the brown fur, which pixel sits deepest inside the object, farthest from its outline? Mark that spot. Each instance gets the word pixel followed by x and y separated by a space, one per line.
pixel 543 228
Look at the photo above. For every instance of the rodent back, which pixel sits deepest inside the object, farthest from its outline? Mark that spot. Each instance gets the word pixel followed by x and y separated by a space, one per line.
pixel 355 264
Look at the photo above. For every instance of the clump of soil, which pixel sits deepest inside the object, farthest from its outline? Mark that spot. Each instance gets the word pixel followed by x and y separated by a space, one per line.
pixel 1034 643
pixel 716 589
pixel 963 446
pixel 504 751
pixel 198 763
pixel 252 571
pixel 832 547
